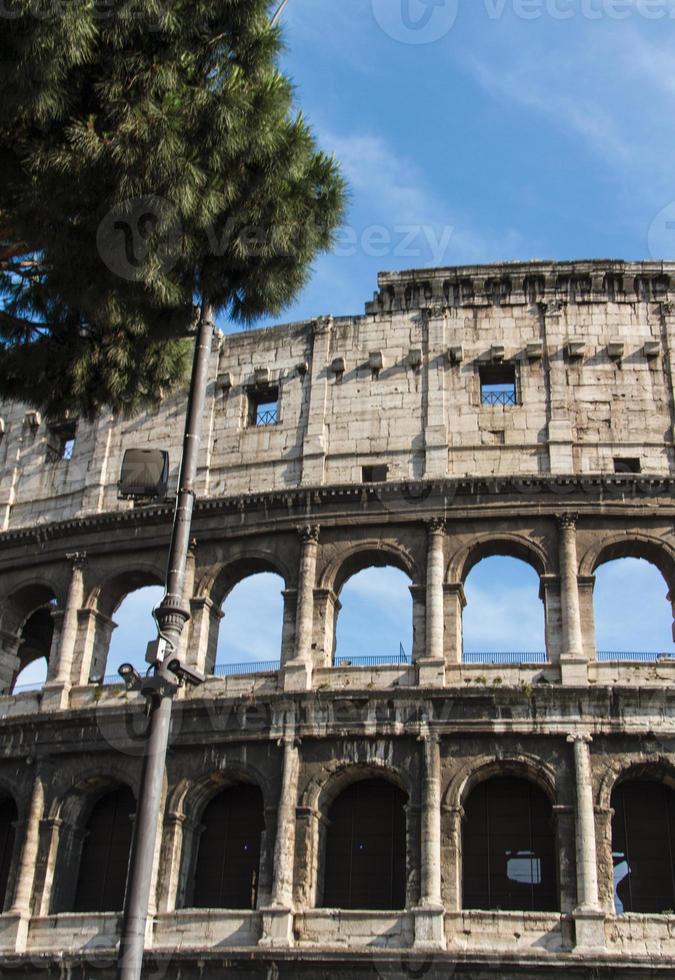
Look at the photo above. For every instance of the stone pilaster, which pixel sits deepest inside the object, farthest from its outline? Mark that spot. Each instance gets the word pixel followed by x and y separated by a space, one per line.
pixel 25 880
pixel 429 917
pixel 298 671
pixel 314 446
pixel 278 919
pixel 573 663
pixel 60 677
pixel 436 421
pixel 94 630
pixel 432 666
pixel 588 916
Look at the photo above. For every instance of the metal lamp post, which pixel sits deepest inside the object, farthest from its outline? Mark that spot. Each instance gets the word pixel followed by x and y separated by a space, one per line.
pixel 159 689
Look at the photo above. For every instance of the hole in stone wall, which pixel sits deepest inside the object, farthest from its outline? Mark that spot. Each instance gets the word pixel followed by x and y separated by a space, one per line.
pixel 631 609
pixel 498 384
pixel 375 621
pixel 250 631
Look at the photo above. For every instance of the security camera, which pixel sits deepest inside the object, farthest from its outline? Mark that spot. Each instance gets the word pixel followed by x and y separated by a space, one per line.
pixel 130 676
pixel 184 673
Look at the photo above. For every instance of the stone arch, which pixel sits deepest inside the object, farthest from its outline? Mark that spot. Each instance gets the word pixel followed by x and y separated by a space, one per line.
pixel 369 553
pixel 338 774
pixel 658 767
pixel 72 810
pixel 189 796
pixel 27 628
pixel 217 582
pixel 320 794
pixel 186 804
pixel 496 545
pixel 107 597
pixel 476 771
pixel 657 551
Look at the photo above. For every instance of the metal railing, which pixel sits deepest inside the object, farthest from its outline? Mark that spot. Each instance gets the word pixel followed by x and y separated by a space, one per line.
pixel 498 398
pixel 637 656
pixel 470 657
pixel 376 660
pixel 261 667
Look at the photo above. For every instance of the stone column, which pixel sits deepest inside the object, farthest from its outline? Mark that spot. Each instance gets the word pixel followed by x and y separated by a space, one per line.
pixel 278 919
pixel 573 664
pixel 429 918
pixel 432 666
pixel 23 893
pixel 56 690
pixel 298 672
pixel 589 918
pixel 290 597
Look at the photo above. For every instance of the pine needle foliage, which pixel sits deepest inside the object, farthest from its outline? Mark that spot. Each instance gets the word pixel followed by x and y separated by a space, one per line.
pixel 152 160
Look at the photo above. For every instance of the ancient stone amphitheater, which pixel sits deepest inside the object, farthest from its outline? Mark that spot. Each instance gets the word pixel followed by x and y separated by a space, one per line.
pixel 513 816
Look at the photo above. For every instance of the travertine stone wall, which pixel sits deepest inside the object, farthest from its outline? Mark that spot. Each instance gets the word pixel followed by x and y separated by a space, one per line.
pixel 593 345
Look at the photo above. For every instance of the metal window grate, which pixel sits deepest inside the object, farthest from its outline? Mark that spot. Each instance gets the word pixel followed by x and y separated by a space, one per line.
pixel 266 416
pixel 498 397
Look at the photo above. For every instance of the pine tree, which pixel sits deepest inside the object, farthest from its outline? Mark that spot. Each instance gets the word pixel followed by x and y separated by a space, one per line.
pixel 152 161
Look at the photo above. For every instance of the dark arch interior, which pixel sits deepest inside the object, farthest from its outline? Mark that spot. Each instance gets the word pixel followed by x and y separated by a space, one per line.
pixel 8 818
pixel 643 826
pixel 509 855
pixel 365 866
pixel 228 858
pixel 102 877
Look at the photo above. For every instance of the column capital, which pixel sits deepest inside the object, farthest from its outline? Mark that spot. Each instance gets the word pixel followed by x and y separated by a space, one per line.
pixel 567 521
pixel 435 525
pixel 308 532
pixel 76 558
pixel 580 737
pixel 435 312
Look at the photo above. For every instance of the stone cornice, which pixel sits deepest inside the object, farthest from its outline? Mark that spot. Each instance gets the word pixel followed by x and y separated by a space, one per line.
pixel 408 496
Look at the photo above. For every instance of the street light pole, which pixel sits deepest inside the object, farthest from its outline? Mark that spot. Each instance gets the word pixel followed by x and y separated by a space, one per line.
pixel 171 616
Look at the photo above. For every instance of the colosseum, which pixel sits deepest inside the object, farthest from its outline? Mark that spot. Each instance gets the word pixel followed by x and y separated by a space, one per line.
pixel 386 817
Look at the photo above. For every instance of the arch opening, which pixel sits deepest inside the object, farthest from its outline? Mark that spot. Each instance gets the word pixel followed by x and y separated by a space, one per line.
pixel 374 623
pixel 227 867
pixel 504 619
pixel 643 846
pixel 34 649
pixel 508 847
pixel 365 848
pixel 135 628
pixel 633 616
pixel 104 860
pixel 250 633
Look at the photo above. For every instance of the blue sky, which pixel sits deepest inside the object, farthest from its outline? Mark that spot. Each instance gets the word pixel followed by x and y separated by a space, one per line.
pixel 526 129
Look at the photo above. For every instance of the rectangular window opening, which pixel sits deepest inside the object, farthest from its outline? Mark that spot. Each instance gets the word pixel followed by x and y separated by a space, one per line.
pixel 263 406
pixel 61 440
pixel 626 465
pixel 374 474
pixel 498 384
